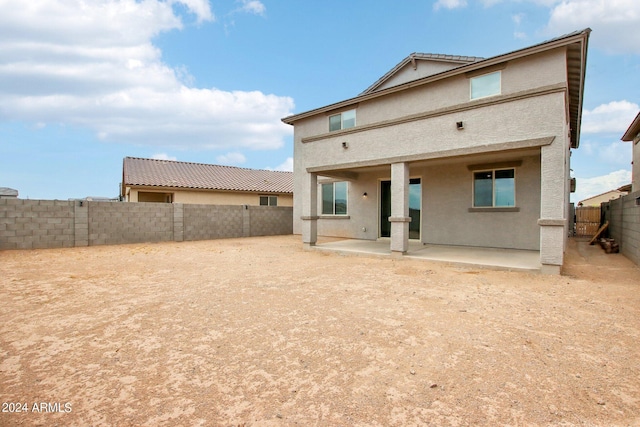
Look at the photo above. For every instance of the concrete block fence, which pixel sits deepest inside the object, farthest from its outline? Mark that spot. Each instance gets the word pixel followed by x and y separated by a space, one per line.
pixel 31 224
pixel 623 215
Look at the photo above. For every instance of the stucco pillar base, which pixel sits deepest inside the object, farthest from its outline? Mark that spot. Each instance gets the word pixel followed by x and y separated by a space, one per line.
pixel 310 210
pixel 551 245
pixel 309 230
pixel 399 218
pixel 551 269
pixel 399 234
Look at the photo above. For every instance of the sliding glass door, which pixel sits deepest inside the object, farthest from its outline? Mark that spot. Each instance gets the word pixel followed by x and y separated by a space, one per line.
pixel 415 208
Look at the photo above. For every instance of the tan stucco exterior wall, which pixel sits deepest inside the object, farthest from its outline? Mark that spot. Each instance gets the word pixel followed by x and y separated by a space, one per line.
pixel 446 201
pixel 210 197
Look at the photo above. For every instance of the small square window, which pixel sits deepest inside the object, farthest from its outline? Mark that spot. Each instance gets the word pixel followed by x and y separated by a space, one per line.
pixel 486 85
pixel 344 120
pixel 335 122
pixel 268 200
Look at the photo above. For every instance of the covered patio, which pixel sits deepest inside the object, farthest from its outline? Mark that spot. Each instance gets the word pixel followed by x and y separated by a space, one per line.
pixel 440 221
pixel 475 257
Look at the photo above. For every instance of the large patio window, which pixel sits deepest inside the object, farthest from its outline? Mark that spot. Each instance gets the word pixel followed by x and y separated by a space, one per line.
pixel 334 198
pixel 494 188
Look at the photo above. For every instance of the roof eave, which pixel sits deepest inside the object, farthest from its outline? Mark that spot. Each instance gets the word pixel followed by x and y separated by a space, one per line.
pixel 633 131
pixel 223 190
pixel 576 109
pixel 579 36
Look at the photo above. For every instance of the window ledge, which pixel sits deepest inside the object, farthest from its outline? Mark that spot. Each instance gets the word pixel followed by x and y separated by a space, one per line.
pixel 488 209
pixel 335 217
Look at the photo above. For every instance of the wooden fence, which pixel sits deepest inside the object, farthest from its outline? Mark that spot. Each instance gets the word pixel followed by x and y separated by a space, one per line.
pixel 587 220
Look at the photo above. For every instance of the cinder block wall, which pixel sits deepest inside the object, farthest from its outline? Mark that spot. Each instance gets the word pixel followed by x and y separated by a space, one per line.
pixel 27 224
pixel 270 221
pixel 31 224
pixel 624 224
pixel 117 223
pixel 205 222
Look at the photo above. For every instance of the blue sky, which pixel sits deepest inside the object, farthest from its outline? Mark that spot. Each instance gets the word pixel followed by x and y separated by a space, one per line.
pixel 85 83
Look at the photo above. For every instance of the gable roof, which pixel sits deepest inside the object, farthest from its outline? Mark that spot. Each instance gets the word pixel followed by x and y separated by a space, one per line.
pixel 634 130
pixel 8 192
pixel 609 195
pixel 575 42
pixel 453 61
pixel 170 173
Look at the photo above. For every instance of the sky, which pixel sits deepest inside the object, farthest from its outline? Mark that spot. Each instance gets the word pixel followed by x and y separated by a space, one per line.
pixel 85 83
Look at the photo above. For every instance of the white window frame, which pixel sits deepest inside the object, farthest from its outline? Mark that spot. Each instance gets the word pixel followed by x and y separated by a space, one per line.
pixel 333 198
pixel 342 120
pixel 493 188
pixel 270 199
pixel 477 78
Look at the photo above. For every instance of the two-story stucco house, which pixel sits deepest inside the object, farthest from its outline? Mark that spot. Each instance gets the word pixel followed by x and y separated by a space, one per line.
pixel 448 150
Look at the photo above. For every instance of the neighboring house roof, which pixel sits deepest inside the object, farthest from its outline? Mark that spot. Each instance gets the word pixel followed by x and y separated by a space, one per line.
pixel 8 192
pixel 453 61
pixel 626 188
pixel 168 173
pixel 633 133
pixel 576 44
pixel 604 197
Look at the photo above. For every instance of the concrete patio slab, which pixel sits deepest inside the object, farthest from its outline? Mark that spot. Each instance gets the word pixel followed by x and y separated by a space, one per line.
pixel 477 257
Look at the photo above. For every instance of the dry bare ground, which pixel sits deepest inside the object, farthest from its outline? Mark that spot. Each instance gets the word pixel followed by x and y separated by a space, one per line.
pixel 259 332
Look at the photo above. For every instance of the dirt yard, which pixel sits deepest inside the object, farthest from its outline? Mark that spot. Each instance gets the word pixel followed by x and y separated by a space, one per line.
pixel 259 332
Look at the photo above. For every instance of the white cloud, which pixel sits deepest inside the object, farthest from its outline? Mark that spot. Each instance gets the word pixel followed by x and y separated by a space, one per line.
pixel 201 8
pixel 286 166
pixel 449 4
pixel 546 3
pixel 253 6
pixel 163 156
pixel 615 154
pixel 614 22
pixel 231 158
pixel 589 187
pixel 94 65
pixel 614 117
pixel 517 18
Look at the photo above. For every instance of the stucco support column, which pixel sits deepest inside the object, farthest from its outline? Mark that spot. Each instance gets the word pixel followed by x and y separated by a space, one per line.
pixel 310 210
pixel 399 218
pixel 553 217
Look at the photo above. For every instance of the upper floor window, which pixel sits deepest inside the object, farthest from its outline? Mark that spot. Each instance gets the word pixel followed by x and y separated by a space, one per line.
pixel 344 120
pixel 494 188
pixel 486 85
pixel 268 200
pixel 334 198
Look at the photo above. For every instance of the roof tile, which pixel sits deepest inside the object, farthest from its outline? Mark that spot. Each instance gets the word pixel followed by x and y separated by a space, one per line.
pixel 170 173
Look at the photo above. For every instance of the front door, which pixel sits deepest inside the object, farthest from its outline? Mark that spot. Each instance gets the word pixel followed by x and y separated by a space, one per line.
pixel 415 207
